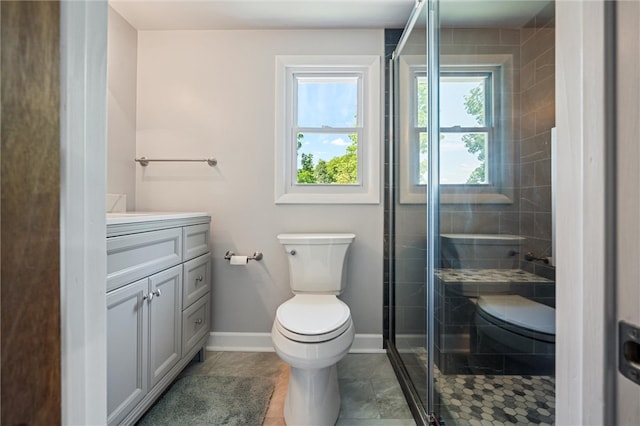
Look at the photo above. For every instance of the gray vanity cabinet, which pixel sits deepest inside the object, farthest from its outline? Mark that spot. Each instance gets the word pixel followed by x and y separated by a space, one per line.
pixel 158 323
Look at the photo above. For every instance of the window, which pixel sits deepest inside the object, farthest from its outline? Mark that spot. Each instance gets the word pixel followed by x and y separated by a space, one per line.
pixel 475 130
pixel 325 121
pixel 466 126
pixel 327 129
pixel 466 119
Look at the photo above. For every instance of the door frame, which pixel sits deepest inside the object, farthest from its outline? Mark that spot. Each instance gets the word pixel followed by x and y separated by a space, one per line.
pixel 582 271
pixel 83 51
pixel 627 128
pixel 585 290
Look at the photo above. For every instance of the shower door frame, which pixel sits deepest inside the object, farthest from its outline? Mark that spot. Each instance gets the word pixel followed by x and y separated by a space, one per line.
pixel 433 185
pixel 423 415
pixel 411 394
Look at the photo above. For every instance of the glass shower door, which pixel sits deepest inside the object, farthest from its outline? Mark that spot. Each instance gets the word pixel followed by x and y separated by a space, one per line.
pixel 470 212
pixel 493 279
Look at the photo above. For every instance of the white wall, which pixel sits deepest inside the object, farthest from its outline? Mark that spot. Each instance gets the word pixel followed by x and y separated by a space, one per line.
pixel 122 59
pixel 211 93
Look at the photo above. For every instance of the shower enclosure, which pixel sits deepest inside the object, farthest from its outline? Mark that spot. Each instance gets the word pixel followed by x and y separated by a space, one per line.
pixel 469 211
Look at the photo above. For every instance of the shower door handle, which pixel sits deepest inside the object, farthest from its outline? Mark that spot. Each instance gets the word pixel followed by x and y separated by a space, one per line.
pixel 629 351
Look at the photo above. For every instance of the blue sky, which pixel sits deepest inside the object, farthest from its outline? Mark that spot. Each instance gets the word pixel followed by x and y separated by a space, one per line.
pixel 327 104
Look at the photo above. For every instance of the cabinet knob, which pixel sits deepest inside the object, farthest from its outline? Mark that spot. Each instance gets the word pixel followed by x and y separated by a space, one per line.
pixel 156 293
pixel 199 321
pixel 199 278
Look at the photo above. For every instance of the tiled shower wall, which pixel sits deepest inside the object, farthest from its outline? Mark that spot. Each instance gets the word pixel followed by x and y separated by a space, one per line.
pixel 537 104
pixel 391 38
pixel 532 48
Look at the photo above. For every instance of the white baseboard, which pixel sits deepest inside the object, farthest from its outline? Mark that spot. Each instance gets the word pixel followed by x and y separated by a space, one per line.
pixel 240 342
pixel 261 342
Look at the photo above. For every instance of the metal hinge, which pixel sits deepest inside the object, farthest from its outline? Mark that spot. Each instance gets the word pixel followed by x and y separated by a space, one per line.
pixel 629 351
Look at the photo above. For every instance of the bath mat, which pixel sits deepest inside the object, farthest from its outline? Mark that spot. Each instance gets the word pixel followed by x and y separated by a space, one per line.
pixel 212 400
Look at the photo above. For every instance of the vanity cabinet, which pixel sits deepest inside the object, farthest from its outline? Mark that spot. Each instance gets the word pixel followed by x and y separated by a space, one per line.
pixel 158 286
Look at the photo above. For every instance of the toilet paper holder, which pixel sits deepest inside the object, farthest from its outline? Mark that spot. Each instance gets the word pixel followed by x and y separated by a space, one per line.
pixel 257 255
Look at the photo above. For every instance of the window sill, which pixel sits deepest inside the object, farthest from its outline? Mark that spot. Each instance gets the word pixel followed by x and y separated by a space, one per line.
pixel 364 198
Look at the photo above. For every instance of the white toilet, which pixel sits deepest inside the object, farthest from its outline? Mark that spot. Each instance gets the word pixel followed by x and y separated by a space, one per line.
pixel 313 330
pixel 519 323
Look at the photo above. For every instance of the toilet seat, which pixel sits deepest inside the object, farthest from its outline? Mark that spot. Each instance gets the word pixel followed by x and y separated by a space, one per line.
pixel 520 315
pixel 310 318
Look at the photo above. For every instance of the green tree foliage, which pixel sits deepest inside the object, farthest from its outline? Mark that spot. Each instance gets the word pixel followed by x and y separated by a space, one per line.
pixel 422 117
pixel 341 170
pixel 476 143
pixel 306 173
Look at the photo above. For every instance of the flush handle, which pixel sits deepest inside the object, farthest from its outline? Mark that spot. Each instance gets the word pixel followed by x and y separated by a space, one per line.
pixel 629 351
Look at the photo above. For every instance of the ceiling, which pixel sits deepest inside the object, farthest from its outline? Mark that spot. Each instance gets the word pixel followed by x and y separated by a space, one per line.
pixel 263 14
pixel 315 14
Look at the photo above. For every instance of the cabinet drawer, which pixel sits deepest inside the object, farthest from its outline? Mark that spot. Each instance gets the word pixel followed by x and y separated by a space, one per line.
pixel 197 279
pixel 131 257
pixel 195 323
pixel 195 240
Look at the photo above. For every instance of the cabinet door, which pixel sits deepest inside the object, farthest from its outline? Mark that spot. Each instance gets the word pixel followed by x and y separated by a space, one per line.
pixel 165 331
pixel 127 349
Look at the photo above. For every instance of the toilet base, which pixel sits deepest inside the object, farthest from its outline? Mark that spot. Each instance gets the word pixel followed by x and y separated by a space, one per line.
pixel 313 397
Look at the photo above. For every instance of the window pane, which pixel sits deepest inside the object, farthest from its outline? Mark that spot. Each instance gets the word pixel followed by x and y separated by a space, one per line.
pixel 421 101
pixel 325 158
pixel 462 101
pixel 327 101
pixel 463 158
pixel 423 178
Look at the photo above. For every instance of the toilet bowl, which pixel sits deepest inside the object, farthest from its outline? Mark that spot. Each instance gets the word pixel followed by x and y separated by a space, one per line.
pixel 520 324
pixel 313 330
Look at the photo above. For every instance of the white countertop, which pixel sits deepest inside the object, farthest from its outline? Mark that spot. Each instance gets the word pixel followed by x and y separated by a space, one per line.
pixel 136 217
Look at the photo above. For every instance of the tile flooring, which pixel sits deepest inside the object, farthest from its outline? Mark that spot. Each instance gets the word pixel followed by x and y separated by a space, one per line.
pixel 370 392
pixel 497 400
pixel 491 400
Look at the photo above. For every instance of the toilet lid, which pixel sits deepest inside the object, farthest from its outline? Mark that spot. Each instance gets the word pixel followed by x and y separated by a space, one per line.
pixel 520 312
pixel 313 318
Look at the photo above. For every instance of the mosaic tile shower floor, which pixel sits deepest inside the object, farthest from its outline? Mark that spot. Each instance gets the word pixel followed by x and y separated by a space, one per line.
pixel 493 400
pixel 497 400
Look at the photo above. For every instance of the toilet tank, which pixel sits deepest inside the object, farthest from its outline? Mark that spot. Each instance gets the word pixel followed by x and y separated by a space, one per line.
pixel 317 262
pixel 484 251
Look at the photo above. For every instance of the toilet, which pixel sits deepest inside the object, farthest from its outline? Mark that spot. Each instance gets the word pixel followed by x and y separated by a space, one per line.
pixel 313 330
pixel 520 324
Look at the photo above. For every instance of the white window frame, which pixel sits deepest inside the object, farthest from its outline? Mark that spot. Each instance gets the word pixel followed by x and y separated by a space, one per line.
pixel 500 191
pixel 367 189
